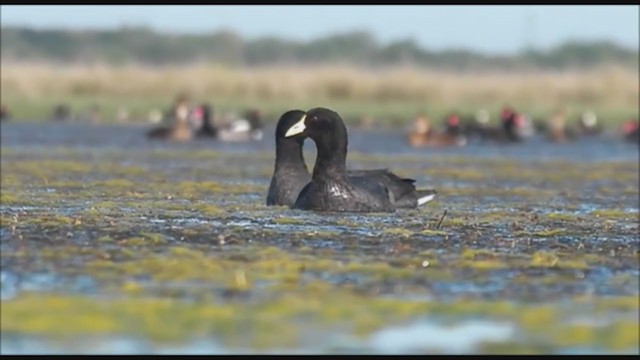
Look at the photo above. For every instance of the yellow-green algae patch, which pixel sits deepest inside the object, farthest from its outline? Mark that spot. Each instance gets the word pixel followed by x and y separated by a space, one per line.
pixel 252 322
pixel 166 319
pixel 614 214
pixel 288 220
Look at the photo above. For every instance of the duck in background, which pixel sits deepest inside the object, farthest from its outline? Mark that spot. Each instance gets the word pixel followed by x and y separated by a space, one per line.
pixel 422 134
pixel 248 128
pixel 453 125
pixel 180 128
pixel 207 127
pixel 525 128
pixel 513 128
pixel 557 130
pixel 478 124
pixel 61 112
pixel 4 113
pixel 631 130
pixel 588 124
pixel 540 125
pixel 515 125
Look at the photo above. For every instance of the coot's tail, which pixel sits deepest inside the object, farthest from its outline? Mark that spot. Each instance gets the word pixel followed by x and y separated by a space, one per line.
pixel 424 196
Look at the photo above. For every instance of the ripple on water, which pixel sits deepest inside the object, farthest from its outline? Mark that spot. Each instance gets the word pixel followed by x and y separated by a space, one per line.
pixel 12 283
pixel 22 345
pixel 421 336
pixel 461 338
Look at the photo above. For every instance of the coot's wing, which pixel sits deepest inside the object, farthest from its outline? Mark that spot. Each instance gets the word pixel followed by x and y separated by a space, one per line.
pixel 399 187
pixel 374 189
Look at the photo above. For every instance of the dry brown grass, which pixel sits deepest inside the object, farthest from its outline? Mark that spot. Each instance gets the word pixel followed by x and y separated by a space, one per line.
pixel 603 88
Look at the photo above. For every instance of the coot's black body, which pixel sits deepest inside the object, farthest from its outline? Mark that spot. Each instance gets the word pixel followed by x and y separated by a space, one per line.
pixel 332 187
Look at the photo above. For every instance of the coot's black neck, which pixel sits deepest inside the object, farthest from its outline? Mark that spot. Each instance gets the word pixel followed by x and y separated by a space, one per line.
pixel 331 159
pixel 289 154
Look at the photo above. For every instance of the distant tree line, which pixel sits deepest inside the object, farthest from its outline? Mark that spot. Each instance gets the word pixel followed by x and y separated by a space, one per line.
pixel 142 45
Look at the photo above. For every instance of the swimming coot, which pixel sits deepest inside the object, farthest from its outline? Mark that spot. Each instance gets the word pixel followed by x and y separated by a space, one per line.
pixel 332 187
pixel 290 172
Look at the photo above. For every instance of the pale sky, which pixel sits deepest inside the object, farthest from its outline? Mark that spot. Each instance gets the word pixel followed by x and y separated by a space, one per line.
pixel 490 28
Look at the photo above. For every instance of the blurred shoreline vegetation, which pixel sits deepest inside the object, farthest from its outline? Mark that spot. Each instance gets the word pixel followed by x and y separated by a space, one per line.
pixel 139 69
pixel 144 46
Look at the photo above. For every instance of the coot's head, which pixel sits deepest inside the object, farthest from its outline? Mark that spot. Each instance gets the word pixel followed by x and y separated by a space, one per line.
pixel 286 121
pixel 327 130
pixel 319 124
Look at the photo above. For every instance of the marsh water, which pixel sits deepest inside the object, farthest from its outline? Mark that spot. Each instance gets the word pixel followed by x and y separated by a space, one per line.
pixel 111 243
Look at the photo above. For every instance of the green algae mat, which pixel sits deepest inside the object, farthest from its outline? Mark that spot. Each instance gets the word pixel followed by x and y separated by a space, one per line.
pixel 171 249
